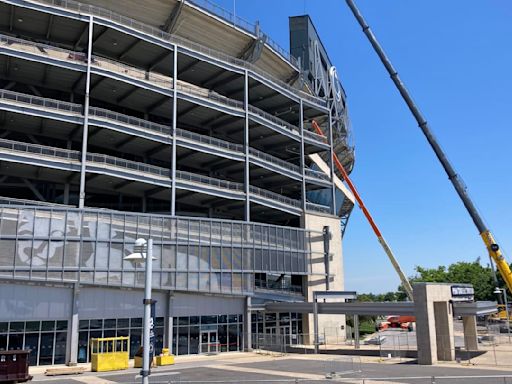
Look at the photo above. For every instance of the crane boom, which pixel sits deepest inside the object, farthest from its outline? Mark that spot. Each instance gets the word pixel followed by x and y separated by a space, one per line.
pixel 405 282
pixel 490 243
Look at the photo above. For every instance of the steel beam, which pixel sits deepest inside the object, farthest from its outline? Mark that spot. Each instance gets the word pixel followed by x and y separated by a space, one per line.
pixel 247 149
pixel 172 20
pixel 174 126
pixel 81 194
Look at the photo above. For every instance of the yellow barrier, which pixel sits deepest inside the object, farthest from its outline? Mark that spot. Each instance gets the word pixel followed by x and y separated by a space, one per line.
pixel 109 353
pixel 165 358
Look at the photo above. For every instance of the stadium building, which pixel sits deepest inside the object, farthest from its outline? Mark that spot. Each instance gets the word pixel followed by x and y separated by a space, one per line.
pixel 175 121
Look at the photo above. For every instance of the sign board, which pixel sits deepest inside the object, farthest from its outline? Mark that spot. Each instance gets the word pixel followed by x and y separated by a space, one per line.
pixel 463 292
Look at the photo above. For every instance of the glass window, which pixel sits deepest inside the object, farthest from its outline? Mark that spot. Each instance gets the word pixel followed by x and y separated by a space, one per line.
pixel 62 325
pixel 194 340
pixel 32 343
pixel 3 342
pixel 96 324
pixel 83 342
pixel 135 341
pixel 4 326
pixel 183 340
pixel 109 323
pixel 159 322
pixel 83 324
pixel 48 326
pixel 123 323
pixel 194 320
pixel 233 318
pixel 60 348
pixel 212 319
pixel 46 350
pixel 32 326
pixel 223 319
pixel 136 322
pixel 15 341
pixel 183 321
pixel 17 326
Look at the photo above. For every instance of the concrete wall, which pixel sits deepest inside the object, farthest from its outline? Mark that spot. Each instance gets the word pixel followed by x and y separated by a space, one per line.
pixel 331 325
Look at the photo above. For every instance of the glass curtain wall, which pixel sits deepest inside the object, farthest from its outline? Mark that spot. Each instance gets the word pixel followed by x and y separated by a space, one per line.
pixel 207 334
pixel 131 327
pixel 45 339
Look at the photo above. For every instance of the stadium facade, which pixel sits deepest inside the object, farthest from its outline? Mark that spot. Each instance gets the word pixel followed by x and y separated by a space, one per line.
pixel 175 121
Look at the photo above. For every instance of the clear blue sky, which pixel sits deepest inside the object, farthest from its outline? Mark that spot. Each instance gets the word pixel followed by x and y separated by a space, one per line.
pixel 456 58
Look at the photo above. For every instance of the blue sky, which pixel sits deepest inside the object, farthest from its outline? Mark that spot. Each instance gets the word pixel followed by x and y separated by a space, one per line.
pixel 456 58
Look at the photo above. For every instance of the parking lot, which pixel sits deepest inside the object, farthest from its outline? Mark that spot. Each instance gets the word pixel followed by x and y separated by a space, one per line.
pixel 254 368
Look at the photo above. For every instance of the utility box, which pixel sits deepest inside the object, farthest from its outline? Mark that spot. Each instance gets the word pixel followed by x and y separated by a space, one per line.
pixel 109 353
pixel 14 366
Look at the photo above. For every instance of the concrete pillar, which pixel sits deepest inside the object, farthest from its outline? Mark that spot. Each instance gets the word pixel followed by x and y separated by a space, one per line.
pixel 444 331
pixel 434 322
pixel 470 334
pixel 72 342
pixel 248 325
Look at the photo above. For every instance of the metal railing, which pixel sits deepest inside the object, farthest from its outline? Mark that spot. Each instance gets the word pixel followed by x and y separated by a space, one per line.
pixel 210 181
pixel 134 121
pixel 247 26
pixel 102 159
pixel 274 119
pixel 318 208
pixel 143 124
pixel 14 201
pixel 213 141
pixel 40 101
pixel 153 78
pixel 166 37
pixel 39 149
pixel 274 196
pixel 274 160
pixel 208 94
pixel 316 174
pixel 316 137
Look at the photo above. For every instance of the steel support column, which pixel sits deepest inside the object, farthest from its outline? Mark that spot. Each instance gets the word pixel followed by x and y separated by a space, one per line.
pixel 331 151
pixel 246 147
pixel 85 133
pixel 174 125
pixel 168 321
pixel 316 340
pixel 302 157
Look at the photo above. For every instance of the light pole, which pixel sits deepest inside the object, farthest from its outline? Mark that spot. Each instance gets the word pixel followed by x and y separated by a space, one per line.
pixel 500 291
pixel 139 256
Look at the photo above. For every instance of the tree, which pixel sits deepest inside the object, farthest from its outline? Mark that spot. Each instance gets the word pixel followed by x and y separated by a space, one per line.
pixel 462 272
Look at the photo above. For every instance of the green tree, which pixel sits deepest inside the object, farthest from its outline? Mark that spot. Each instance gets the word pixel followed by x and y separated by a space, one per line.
pixel 461 272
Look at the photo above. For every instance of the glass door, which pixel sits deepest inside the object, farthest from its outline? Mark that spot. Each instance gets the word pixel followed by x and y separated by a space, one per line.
pixel 209 342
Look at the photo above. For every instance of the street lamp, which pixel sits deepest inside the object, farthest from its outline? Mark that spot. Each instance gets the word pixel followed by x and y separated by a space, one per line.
pixel 499 291
pixel 143 252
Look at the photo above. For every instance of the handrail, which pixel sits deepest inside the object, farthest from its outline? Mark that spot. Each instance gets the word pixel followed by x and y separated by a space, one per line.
pixel 39 149
pixel 315 136
pixel 318 207
pixel 273 119
pixel 134 121
pixel 274 196
pixel 141 123
pixel 14 201
pixel 118 162
pixel 157 79
pixel 316 174
pixel 209 140
pixel 158 33
pixel 274 160
pixel 40 101
pixel 245 25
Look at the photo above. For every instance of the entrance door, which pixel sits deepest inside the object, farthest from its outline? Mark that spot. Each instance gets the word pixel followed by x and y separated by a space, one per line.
pixel 209 342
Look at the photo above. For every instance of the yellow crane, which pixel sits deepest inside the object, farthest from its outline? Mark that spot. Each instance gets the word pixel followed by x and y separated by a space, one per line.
pixel 490 243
